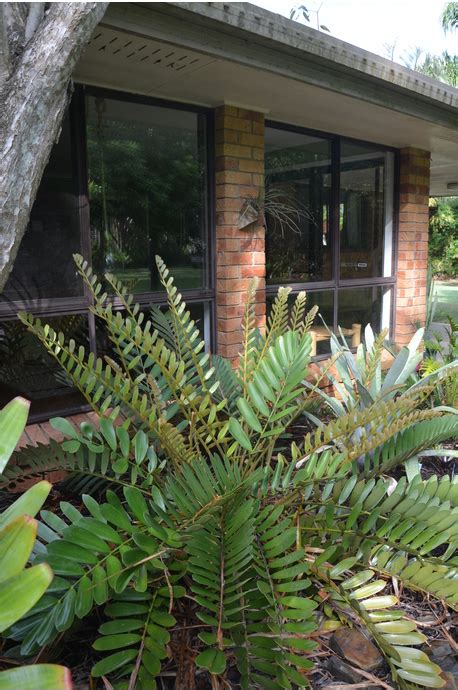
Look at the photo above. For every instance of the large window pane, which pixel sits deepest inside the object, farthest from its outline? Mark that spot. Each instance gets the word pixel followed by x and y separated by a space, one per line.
pixel 324 300
pixel 27 369
pixel 297 207
pixel 146 168
pixel 44 267
pixel 358 307
pixel 366 193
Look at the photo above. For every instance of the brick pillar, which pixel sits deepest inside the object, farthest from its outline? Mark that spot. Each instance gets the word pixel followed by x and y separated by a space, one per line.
pixel 413 243
pixel 240 254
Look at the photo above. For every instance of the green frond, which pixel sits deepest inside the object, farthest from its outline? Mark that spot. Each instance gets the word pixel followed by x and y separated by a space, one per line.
pixel 205 485
pixel 277 321
pixel 93 558
pixel 395 634
pixel 373 369
pixel 247 355
pixel 296 319
pixel 220 552
pixel 279 616
pixel 135 641
pixel 274 394
pixel 190 348
pixel 397 533
pixel 406 439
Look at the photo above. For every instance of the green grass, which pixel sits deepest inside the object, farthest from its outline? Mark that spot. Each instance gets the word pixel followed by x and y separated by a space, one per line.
pixel 139 279
pixel 447 294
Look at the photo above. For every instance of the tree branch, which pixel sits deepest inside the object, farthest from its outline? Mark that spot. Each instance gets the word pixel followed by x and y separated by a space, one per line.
pixel 34 99
pixel 36 14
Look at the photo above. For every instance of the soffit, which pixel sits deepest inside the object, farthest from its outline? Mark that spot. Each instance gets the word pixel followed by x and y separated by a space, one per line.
pixel 130 62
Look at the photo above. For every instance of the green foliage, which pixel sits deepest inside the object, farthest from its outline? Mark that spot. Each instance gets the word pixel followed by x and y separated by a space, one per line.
pixel 363 381
pixel 21 587
pixel 441 354
pixel 443 235
pixel 192 502
pixel 449 16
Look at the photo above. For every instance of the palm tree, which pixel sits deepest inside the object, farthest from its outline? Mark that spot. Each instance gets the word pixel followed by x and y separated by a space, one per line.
pixel 449 16
pixel 443 67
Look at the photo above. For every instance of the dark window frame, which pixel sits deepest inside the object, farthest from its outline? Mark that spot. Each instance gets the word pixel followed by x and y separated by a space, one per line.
pixel 54 307
pixel 337 283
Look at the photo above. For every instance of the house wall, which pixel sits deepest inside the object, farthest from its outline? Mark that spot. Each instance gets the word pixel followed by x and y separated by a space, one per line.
pixel 412 263
pixel 240 254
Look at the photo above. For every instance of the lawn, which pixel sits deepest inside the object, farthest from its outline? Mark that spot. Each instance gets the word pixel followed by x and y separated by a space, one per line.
pixel 447 294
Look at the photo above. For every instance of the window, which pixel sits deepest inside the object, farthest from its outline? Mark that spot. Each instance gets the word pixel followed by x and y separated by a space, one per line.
pixel 146 171
pixel 297 204
pixel 329 228
pixel 128 179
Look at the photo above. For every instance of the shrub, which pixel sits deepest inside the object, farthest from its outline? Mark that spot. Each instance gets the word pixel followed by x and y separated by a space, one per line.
pixel 202 519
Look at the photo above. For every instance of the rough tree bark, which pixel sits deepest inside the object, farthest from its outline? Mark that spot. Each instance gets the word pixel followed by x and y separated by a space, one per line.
pixel 40 44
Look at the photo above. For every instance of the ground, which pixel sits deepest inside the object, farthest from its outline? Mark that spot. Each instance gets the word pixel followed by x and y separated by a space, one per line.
pixel 447 293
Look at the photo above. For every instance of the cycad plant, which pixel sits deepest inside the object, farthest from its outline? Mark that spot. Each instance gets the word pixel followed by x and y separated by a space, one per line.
pixel 198 513
pixel 21 587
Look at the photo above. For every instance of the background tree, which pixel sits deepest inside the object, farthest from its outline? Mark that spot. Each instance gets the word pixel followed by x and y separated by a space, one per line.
pixel 449 16
pixel 40 44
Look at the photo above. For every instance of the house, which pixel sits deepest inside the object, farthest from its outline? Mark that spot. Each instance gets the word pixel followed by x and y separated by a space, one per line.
pixel 236 144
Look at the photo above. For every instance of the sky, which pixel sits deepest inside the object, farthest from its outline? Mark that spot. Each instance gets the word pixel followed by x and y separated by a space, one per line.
pixel 370 24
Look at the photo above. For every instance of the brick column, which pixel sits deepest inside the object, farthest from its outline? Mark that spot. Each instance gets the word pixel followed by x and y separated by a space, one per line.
pixel 412 263
pixel 240 254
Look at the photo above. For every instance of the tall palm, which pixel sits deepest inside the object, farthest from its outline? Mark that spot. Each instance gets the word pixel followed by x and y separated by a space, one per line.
pixel 449 16
pixel 443 67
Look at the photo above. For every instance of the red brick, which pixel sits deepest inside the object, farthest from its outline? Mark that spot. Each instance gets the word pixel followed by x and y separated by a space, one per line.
pixel 413 238
pixel 234 177
pixel 233 150
pixel 239 254
pixel 252 140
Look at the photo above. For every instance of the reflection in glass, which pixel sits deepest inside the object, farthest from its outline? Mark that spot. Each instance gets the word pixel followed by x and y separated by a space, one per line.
pixel 297 203
pixel 27 369
pixel 365 211
pixel 358 307
pixel 324 300
pixel 146 185
pixel 105 346
pixel 44 266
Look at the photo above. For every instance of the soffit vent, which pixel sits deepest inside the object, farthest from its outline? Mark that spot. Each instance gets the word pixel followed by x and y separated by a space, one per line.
pixel 127 48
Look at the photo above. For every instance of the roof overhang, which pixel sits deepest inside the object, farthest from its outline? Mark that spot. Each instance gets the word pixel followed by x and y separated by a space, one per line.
pixel 210 53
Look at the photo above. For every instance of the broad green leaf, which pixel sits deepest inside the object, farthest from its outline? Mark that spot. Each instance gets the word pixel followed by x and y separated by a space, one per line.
pixel 140 446
pixel 369 590
pixel 64 426
pixel 36 677
pixel 113 662
pixel 13 418
pixel 102 644
pixel 109 433
pixel 425 679
pixel 84 597
pixel 213 660
pixel 248 415
pixel 16 543
pixel 379 602
pixel 21 592
pixel 28 504
pixel 239 434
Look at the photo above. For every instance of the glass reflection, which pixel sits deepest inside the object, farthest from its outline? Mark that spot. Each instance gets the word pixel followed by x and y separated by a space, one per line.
pixel 146 184
pixel 27 369
pixel 363 211
pixel 297 207
pixel 44 266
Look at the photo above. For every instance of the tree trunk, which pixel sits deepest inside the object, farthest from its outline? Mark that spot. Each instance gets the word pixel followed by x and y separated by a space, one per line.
pixel 38 54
